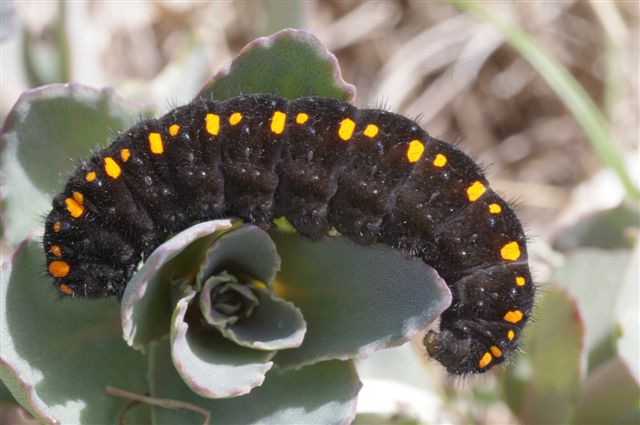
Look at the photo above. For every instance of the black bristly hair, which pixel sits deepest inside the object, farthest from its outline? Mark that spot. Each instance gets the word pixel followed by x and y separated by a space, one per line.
pixel 372 175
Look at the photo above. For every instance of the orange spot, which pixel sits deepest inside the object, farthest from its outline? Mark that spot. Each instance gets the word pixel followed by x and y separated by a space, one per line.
pixel 212 122
pixel 510 251
pixel 74 207
pixel 174 129
pixel 495 208
pixel 485 360
pixel 78 197
pixel 125 154
pixel 346 129
pixel 65 289
pixel 59 268
pixel 371 130
pixel 520 281
pixel 57 226
pixel 55 250
pixel 235 118
pixel 415 151
pixel 111 168
pixel 440 160
pixel 497 352
pixel 510 335
pixel 155 143
pixel 91 176
pixel 302 118
pixel 475 191
pixel 513 316
pixel 278 120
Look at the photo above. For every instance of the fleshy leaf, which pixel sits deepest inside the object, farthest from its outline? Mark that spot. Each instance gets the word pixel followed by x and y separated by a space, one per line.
pixel 628 316
pixel 610 396
pixel 355 299
pixel 248 250
pixel 593 276
pixel 209 364
pixel 610 229
pixel 552 357
pixel 397 385
pixel 58 355
pixel 272 323
pixel 324 393
pixel 46 128
pixel 224 300
pixel 5 395
pixel 290 63
pixel 146 303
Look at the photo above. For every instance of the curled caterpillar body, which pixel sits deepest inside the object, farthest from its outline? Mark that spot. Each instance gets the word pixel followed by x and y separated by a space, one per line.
pixel 373 175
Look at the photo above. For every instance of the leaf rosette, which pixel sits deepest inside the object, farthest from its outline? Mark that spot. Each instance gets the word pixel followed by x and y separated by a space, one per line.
pixel 226 323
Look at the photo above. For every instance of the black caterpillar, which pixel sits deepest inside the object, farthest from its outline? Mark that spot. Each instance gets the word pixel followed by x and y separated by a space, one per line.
pixel 373 175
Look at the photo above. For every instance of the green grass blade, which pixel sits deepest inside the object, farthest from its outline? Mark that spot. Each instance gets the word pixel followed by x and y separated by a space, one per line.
pixel 575 98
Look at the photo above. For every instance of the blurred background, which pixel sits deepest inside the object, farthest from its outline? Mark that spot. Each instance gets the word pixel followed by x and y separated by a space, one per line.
pixel 544 94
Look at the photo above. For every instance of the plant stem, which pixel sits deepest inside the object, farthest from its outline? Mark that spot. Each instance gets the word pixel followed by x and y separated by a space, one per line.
pixel 160 402
pixel 568 89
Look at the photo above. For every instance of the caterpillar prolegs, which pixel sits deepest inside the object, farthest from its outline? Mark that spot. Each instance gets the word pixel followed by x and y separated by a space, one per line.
pixel 372 175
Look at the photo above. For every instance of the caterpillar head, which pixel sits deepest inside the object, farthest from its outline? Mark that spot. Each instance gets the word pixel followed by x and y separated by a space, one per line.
pixel 461 354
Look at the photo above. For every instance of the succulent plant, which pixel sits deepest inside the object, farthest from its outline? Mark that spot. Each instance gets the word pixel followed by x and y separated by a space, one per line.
pixel 250 326
pixel 274 338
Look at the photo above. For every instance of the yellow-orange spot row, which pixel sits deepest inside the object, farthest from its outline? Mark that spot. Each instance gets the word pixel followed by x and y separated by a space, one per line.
pixel 302 118
pixel 497 352
pixel 174 129
pixel 75 208
pixel 235 118
pixel 278 120
pixel 55 250
pixel 79 198
pixel 59 268
pixel 513 316
pixel 346 129
pixel 212 122
pixel 475 191
pixel 155 143
pixel 91 176
pixel 371 130
pixel 415 151
pixel 111 168
pixel 440 160
pixel 125 154
pixel 495 208
pixel 520 281
pixel 510 335
pixel 510 251
pixel 485 360
pixel 65 289
pixel 57 226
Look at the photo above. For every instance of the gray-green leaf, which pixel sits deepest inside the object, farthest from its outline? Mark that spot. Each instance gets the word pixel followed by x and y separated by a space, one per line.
pixel 291 63
pixel 212 366
pixel 355 299
pixel 58 355
pixel 146 303
pixel 46 129
pixel 324 393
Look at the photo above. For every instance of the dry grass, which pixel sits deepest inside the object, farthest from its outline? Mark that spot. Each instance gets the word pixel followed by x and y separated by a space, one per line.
pixel 424 59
